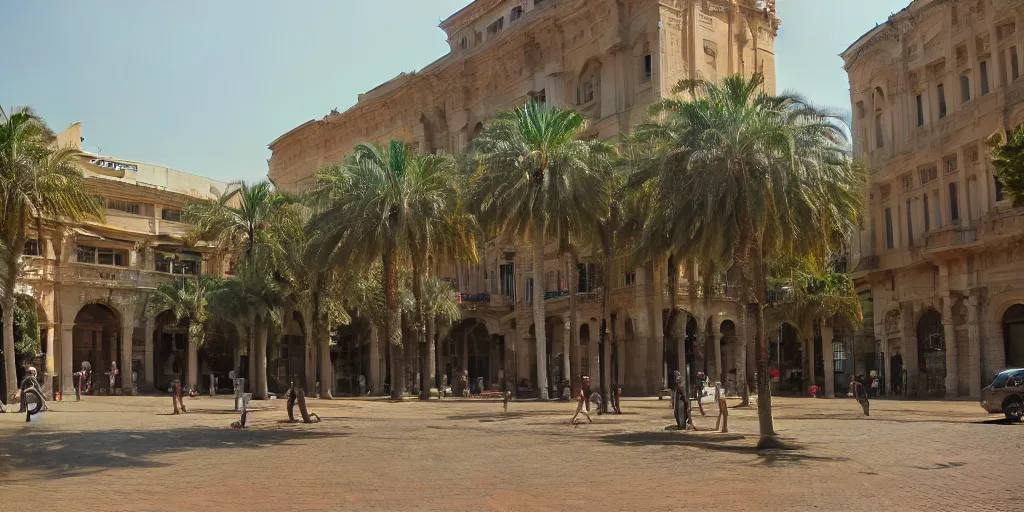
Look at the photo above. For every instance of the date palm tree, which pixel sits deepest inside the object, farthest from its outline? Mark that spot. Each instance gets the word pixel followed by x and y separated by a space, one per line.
pixel 250 221
pixel 37 181
pixel 531 175
pixel 1008 159
pixel 748 178
pixel 384 204
pixel 187 299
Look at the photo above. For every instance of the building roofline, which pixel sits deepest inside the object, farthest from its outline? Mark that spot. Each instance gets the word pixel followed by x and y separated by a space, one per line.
pixel 289 132
pixel 878 28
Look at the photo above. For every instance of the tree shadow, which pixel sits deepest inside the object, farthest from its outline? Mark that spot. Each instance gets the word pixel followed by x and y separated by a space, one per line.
pixel 61 454
pixel 790 453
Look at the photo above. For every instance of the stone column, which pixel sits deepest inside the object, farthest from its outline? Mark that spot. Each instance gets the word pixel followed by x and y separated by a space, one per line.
pixel 593 352
pixel 974 342
pixel 67 365
pixel 949 334
pixel 566 364
pixel 50 361
pixel 716 341
pixel 887 363
pixel 125 366
pixel 826 354
pixel 908 342
pixel 149 359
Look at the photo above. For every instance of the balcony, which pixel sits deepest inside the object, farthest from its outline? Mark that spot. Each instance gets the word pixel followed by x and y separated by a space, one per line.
pixel 869 262
pixel 475 298
pixel 87 274
pixel 556 294
pixel 949 238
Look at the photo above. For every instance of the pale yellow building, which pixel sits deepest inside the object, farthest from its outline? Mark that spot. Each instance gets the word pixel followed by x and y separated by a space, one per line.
pixel 91 281
pixel 940 251
pixel 609 59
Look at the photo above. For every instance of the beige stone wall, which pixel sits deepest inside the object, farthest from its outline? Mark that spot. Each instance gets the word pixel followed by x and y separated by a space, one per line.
pixel 927 89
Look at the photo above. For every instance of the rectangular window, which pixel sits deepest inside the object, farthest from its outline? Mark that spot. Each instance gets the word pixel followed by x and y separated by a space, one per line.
pixel 587 277
pixel 965 89
pixel 85 254
pixel 950 164
pixel 124 206
pixel 927 215
pixel 942 100
pixel 984 77
pixel 910 225
pixel 495 28
pixel 517 12
pixel 907 181
pixel 507 274
pixel 529 289
pixel 170 215
pixel 32 248
pixel 102 256
pixel 186 264
pixel 879 135
pixel 888 229
pixel 920 111
pixel 629 279
pixel 954 202
pixel 648 68
pixel 1014 63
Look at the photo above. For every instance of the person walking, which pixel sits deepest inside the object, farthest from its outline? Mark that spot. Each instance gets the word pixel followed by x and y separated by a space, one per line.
pixel 860 393
pixel 723 409
pixel 583 402
pixel 681 403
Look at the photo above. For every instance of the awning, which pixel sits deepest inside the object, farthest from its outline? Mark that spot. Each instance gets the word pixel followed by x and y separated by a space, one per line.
pixel 87 233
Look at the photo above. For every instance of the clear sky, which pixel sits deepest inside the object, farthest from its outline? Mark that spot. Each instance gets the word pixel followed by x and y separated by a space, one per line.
pixel 203 86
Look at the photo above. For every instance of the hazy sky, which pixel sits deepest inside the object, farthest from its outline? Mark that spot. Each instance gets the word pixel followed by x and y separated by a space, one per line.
pixel 203 86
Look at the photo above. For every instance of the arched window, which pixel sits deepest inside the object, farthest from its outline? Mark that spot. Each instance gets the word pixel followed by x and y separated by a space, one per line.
pixel 589 88
pixel 878 99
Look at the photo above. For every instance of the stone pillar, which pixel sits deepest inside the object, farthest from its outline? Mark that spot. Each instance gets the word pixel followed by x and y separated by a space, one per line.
pixel 908 342
pixel 50 361
pixel 716 341
pixel 125 366
pixel 974 342
pixel 566 350
pixel 149 359
pixel 949 335
pixel 826 354
pixel 67 365
pixel 638 382
pixel 887 364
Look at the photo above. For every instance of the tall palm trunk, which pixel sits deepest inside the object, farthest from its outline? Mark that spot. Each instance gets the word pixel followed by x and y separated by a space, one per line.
pixel 430 375
pixel 604 326
pixel 575 363
pixel 261 327
pixel 250 344
pixel 193 364
pixel 16 245
pixel 419 320
pixel 323 339
pixel 393 322
pixel 764 396
pixel 538 307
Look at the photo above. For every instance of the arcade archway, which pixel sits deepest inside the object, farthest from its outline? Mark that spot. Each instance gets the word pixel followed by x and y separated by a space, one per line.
pixel 96 339
pixel 1013 336
pixel 931 354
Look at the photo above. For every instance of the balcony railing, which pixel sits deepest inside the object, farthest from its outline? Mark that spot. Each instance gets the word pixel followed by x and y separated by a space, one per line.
pixel 475 298
pixel 869 262
pixel 949 238
pixel 555 294
pixel 39 269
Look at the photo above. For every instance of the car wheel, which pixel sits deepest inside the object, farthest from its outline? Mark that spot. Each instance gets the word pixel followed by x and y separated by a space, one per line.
pixel 1014 410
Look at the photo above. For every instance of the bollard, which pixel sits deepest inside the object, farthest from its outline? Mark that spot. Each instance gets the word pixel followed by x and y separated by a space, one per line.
pixel 239 387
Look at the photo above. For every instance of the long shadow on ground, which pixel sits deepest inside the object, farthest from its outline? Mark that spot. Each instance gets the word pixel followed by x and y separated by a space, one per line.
pixel 65 454
pixel 734 443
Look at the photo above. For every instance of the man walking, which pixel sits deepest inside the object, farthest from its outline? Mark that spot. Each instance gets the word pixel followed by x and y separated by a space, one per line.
pixel 681 403
pixel 860 392
pixel 583 402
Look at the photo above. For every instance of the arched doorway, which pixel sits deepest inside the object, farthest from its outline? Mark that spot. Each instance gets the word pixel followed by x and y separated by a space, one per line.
pixel 786 360
pixel 1013 336
pixel 931 354
pixel 217 356
pixel 470 347
pixel 170 360
pixel 96 339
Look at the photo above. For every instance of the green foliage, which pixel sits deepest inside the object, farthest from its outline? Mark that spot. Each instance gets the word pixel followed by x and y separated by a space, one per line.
pixel 1008 159
pixel 26 327
pixel 187 299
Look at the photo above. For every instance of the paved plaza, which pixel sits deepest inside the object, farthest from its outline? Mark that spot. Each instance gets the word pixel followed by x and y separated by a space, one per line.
pixel 130 453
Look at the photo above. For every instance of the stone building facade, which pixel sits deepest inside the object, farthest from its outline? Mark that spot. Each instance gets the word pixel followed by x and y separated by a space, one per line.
pixel 940 251
pixel 609 59
pixel 91 281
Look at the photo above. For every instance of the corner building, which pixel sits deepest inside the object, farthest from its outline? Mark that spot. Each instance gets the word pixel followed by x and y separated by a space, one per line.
pixel 609 59
pixel 939 252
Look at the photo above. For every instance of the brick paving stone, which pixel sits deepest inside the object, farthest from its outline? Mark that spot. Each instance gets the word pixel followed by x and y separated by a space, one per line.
pixel 129 453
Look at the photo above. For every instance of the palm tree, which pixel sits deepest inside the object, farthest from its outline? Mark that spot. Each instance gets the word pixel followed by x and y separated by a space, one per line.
pixel 187 299
pixel 748 178
pixel 250 221
pixel 442 310
pixel 37 181
pixel 383 204
pixel 532 175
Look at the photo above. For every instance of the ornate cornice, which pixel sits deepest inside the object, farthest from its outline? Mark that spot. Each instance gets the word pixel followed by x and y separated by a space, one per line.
pixel 467 15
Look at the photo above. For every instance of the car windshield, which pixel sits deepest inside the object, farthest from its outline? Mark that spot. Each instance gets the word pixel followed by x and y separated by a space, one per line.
pixel 1003 377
